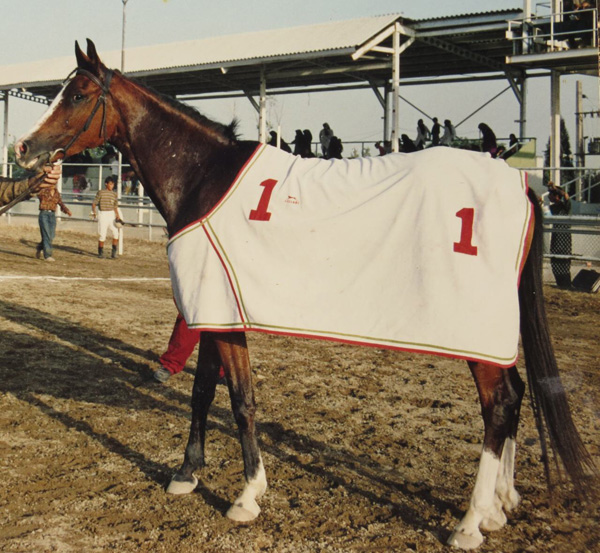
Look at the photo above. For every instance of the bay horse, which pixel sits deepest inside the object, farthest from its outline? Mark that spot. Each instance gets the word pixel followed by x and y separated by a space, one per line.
pixel 187 164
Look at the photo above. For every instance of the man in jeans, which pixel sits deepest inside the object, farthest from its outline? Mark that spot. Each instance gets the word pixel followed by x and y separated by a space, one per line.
pixel 49 199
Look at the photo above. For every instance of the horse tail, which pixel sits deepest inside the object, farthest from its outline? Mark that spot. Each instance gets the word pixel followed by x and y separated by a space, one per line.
pixel 548 396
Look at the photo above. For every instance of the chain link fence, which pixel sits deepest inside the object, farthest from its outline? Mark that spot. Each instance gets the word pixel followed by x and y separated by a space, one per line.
pixel 571 243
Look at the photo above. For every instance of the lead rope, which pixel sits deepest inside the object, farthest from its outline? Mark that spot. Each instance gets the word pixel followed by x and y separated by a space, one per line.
pixel 37 181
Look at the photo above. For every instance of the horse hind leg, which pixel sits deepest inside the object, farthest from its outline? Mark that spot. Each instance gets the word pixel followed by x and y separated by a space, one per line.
pixel 505 483
pixel 500 393
pixel 203 393
pixel 236 362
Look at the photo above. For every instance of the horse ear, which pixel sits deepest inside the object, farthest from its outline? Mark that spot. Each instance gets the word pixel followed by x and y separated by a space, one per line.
pixel 91 52
pixel 82 59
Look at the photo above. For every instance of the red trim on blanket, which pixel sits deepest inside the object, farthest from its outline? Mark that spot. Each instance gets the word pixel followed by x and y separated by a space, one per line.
pixel 364 344
pixel 217 205
pixel 233 290
pixel 529 225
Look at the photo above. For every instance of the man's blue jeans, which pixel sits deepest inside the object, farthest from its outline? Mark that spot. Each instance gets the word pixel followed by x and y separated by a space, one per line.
pixel 47 220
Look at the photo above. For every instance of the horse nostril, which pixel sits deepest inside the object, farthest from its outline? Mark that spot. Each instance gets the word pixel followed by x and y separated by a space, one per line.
pixel 21 149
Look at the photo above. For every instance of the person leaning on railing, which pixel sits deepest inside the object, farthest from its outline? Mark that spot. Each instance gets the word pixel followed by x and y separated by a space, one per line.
pixel 13 188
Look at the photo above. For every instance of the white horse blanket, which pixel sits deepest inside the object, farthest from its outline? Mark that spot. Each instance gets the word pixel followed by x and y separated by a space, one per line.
pixel 415 252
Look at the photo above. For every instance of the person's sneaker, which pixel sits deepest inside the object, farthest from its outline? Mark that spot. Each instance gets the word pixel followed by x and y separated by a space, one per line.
pixel 38 254
pixel 50 259
pixel 162 375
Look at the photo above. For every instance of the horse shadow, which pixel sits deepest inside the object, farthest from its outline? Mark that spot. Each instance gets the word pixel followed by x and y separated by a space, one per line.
pixel 114 382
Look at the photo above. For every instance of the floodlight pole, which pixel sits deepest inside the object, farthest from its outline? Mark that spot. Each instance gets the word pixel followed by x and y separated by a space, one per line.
pixel 555 126
pixel 395 88
pixel 123 36
pixel 120 157
pixel 5 137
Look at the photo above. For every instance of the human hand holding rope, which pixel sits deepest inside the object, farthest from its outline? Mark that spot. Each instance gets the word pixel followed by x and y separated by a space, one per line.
pixel 46 179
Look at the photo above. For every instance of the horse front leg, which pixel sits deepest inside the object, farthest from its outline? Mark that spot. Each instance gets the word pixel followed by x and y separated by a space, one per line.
pixel 500 393
pixel 203 393
pixel 236 362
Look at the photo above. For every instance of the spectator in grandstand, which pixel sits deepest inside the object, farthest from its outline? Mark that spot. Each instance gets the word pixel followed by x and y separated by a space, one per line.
pixel 49 199
pixel 513 147
pixel 581 25
pixel 283 145
pixel 406 144
pixel 488 140
pixel 449 133
pixel 435 132
pixel 335 148
pixel 380 148
pixel 308 138
pixel 107 203
pixel 423 135
pixel 299 144
pixel 325 138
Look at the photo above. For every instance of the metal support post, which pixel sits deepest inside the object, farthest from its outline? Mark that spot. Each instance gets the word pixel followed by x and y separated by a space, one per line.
pixel 523 109
pixel 555 126
pixel 395 90
pixel 5 138
pixel 579 147
pixel 262 112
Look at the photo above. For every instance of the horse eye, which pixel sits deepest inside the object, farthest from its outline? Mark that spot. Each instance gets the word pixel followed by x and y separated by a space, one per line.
pixel 77 97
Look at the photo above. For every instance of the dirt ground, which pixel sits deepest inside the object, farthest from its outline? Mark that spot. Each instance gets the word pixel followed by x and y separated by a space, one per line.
pixel 365 449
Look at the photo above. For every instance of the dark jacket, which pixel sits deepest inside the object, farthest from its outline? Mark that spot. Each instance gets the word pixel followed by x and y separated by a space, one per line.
pixel 11 188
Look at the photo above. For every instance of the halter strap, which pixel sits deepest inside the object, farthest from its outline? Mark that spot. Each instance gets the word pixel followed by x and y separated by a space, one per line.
pixel 105 88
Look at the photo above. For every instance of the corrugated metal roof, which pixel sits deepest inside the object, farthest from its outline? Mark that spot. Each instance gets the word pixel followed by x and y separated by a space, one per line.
pixel 318 56
pixel 515 11
pixel 215 51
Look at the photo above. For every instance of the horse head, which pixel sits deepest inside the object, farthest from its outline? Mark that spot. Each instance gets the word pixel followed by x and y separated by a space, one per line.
pixel 78 117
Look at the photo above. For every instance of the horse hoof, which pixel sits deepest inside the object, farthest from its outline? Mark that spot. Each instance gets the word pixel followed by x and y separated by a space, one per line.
pixel 493 524
pixel 243 513
pixel 510 501
pixel 180 487
pixel 465 541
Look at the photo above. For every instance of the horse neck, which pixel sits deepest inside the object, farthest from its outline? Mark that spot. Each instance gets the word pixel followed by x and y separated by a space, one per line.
pixel 156 139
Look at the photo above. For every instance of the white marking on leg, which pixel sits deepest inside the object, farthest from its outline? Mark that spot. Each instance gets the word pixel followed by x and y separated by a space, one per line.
pixel 505 485
pixel 245 507
pixel 178 487
pixel 467 534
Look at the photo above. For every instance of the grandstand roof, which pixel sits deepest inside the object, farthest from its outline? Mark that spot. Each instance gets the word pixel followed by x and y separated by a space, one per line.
pixel 303 58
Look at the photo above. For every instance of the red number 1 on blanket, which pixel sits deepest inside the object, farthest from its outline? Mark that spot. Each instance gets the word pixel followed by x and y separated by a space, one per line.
pixel 261 213
pixel 466 215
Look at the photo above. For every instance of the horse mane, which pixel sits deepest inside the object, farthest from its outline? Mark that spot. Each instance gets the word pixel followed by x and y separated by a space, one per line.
pixel 229 132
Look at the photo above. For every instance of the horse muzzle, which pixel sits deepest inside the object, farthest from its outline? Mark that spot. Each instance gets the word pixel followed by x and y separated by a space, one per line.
pixel 33 159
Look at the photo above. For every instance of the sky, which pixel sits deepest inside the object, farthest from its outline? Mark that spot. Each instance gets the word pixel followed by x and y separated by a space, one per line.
pixel 45 29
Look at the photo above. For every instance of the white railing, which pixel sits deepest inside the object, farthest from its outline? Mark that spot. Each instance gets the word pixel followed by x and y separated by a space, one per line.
pixel 144 220
pixel 554 32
